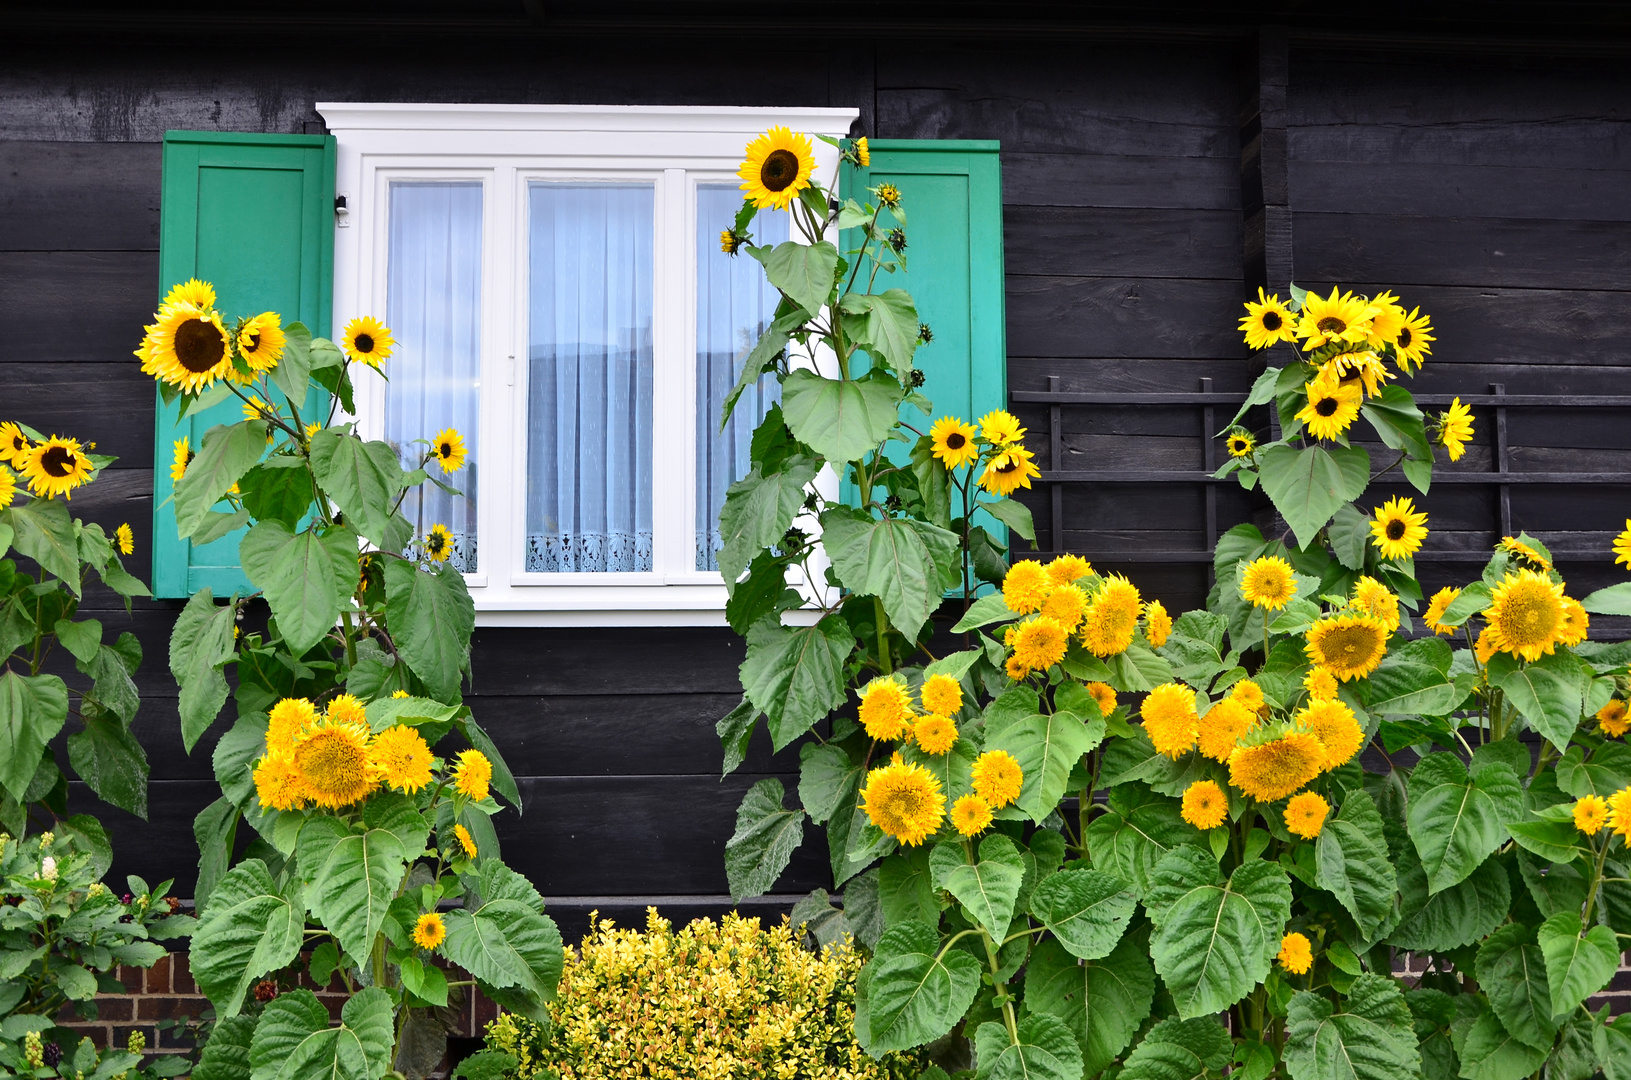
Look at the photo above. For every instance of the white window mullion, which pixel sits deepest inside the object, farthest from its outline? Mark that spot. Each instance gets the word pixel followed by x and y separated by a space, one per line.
pixel 673 464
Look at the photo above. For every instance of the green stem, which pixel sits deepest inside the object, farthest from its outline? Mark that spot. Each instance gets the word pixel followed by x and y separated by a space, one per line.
pixel 882 619
pixel 1000 985
pixel 1596 879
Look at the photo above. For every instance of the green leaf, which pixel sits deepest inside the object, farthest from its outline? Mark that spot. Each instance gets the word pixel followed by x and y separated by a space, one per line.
pixel 1472 600
pixel 280 489
pixel 907 995
pixel 111 762
pixel 307 578
pixel 508 941
pixel 838 419
pixel 293 370
pixel 1611 1042
pixel 215 828
pixel 43 530
pixel 82 639
pixel 227 452
pixel 885 324
pixel 1349 535
pixel 1607 771
pixel 1614 600
pixel 765 351
pixel 1550 692
pixel 1015 515
pixel 805 272
pixel 1411 689
pixel 1103 1002
pixel 362 479
pixel 907 564
pixel 351 872
pixel 1046 1050
pixel 1457 916
pixel 1351 863
pixel 1455 820
pixel 1179 1050
pixel 986 889
pixel 200 643
pixel 1214 940
pixel 1047 748
pixel 758 511
pixel 111 686
pixel 1307 486
pixel 1511 970
pixel 32 711
pixel 1135 832
pixel 1087 910
pixel 1372 1038
pixel 294 1041
pixel 1394 415
pixel 431 617
pixel 905 889
pixel 983 612
pixel 795 675
pixel 1261 393
pixel 766 835
pixel 826 775
pixel 1577 966
pixel 1489 1052
pixel 249 930
pixel 735 729
pixel 1553 838
pixel 226 1052
pixel 424 981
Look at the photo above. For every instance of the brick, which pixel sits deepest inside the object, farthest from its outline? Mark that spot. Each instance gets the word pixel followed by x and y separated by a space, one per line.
pixel 484 1012
pixel 158 977
pixel 132 977
pixel 97 1033
pixel 169 1007
pixel 181 974
pixel 113 1008
pixel 334 1003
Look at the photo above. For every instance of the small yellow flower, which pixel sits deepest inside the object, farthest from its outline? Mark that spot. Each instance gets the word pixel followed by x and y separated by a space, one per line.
pixel 1269 771
pixel 997 778
pixel 14 447
pixel 1105 695
pixel 1157 623
pixel 8 487
pixel 1619 813
pixel 347 709
pixel 1612 719
pixel 368 341
pixel 122 536
pixel 904 800
pixel 1268 582
pixel 1435 610
pixel 182 457
pixel 953 443
pixel 1241 444
pixel 1169 716
pixel 1455 430
pixel 1040 643
pixel 863 153
pixel 1025 587
pixel 1331 722
pixel 1398 528
pixel 472 774
pixel 1249 694
pixel 402 758
pixel 1204 805
pixel 1332 405
pixel 1069 569
pixel 888 195
pixel 935 735
pixel 1066 605
pixel 1305 814
pixel 1220 729
pixel 1622 546
pixel 466 841
pixel 941 694
pixel 429 931
pixel 448 450
pixel 1009 471
pixel 400 694
pixel 1001 428
pixel 1590 814
pixel 1320 684
pixel 971 815
pixel 278 782
pixel 729 242
pixel 1296 953
pixel 886 710
pixel 439 543
pixel 1371 597
pixel 1268 321
pixel 289 718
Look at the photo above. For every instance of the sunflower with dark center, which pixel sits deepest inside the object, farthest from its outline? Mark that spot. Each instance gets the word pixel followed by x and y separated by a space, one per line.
pixel 1336 318
pixel 952 442
pixel 777 166
pixel 55 467
pixel 1332 406
pixel 1241 444
pixel 368 341
pixel 14 445
pixel 438 543
pixel 1268 321
pixel 1398 528
pixel 187 347
pixel 448 449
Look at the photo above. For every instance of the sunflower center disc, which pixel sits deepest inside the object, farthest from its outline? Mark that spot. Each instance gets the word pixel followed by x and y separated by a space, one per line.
pixel 58 461
pixel 1395 530
pixel 254 341
pixel 1327 406
pixel 1008 467
pixel 1271 320
pixel 364 343
pixel 199 345
pixel 780 169
pixel 1405 337
pixel 447 450
pixel 955 441
pixel 1332 325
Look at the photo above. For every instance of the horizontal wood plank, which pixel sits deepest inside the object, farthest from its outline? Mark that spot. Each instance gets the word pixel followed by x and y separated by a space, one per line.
pixel 75 305
pixel 79 196
pixel 1106 242
pixel 1133 317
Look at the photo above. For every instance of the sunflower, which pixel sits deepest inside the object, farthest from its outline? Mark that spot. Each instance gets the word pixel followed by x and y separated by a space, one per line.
pixel 1296 953
pixel 471 775
pixel 438 543
pixel 1590 814
pixel 1270 770
pixel 448 450
pixel 1335 318
pixel 941 694
pixel 1112 618
pixel 863 153
pixel 180 459
pixel 1619 813
pixel 1268 582
pixel 200 294
pixel 730 241
pixel 8 487
pixel 1455 429
pixel 1218 732
pixel 1040 643
pixel 904 800
pixel 1385 324
pixel 1413 342
pixel 1487 645
pixel 1435 610
pixel 970 815
pixel 1157 623
pixel 289 718
pixel 1016 670
pixel 886 710
pixel 14 446
pixel 1025 587
pixel 467 843
pixel 1622 546
pixel 953 442
pixel 1523 554
pixel 1362 368
pixel 122 536
pixel 1249 694
pixel 778 166
pixel 429 931
pixel 1398 528
pixel 1335 726
pixel 1000 427
pixel 332 756
pixel 1575 622
pixel 1104 695
pixel 1371 597
pixel 1348 646
pixel 1332 406
pixel 1305 814
pixel 1613 719
pixel 401 758
pixel 888 195
pixel 1068 569
pixel 1009 471
pixel 1268 321
pixel 1205 806
pixel 1527 611
pixel 997 778
pixel 347 709
pixel 55 467
pixel 279 784
pixel 1241 444
pixel 1169 718
pixel 1066 605
pixel 935 735
pixel 1320 684
pixel 187 347
pixel 261 341
pixel 368 341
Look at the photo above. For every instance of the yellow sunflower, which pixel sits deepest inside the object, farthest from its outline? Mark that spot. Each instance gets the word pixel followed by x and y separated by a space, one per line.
pixel 188 348
pixel 1267 321
pixel 730 242
pixel 1320 684
pixel 888 195
pixel 1269 771
pixel 1332 406
pixel 1619 813
pixel 1205 806
pixel 1398 528
pixel 368 341
pixel 1068 569
pixel 438 543
pixel 472 774
pixel 1157 623
pixel 1385 324
pixel 904 800
pixel 448 450
pixel 1040 643
pixel 279 784
pixel 200 294
pixel 778 166
pixel 1000 427
pixel 179 461
pixel 886 710
pixel 1455 429
pixel 1221 728
pixel 332 756
pixel 1241 444
pixel 1338 317
pixel 122 536
pixel 1622 546
pixel 1305 814
pixel 1614 719
pixel 1348 646
pixel 289 718
pixel 401 758
pixel 55 467
pixel 970 815
pixel 8 488
pixel 1590 814
pixel 1296 953
pixel 1104 695
pixel 1268 582
pixel 1413 342
pixel 1112 618
pixel 1435 610
pixel 347 709
pixel 935 735
pixel 1523 554
pixel 14 446
pixel 1249 694
pixel 997 778
pixel 1576 622
pixel 1363 369
pixel 863 153
pixel 941 694
pixel 1016 670
pixel 467 843
pixel 429 931
pixel 1487 645
pixel 1009 471
pixel 1371 597
pixel 261 341
pixel 1066 605
pixel 1527 611
pixel 1169 717
pixel 953 442
pixel 1335 726
pixel 1026 587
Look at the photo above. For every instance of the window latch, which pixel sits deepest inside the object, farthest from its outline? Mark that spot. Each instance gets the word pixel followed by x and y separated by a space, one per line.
pixel 509 377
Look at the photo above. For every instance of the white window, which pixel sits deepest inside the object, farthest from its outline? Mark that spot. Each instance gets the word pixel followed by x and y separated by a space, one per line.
pixel 553 277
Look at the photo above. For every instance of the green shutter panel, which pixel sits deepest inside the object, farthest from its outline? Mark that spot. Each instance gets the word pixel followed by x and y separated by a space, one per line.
pixel 254 216
pixel 952 194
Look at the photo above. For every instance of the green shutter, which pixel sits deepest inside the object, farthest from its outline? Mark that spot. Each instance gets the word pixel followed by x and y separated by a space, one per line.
pixel 952 193
pixel 254 216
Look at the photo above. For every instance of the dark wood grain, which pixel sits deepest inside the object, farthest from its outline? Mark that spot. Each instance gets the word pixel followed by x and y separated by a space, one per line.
pixel 79 196
pixel 1154 317
pixel 75 305
pixel 1150 243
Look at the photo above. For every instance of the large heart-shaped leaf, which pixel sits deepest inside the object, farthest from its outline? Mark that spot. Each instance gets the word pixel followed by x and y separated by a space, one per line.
pixel 43 530
pixel 805 272
pixel 885 324
pixel 1455 819
pixel 1606 771
pixel 1044 1050
pixel 1087 910
pixel 906 564
pixel 1308 485
pixel 1135 832
pixel 199 644
pixel 508 942
pixel 795 675
pixel 1372 1038
pixel 1178 1049
pixel 989 887
pixel 1511 970
pixel 431 616
pixel 766 835
pixel 1577 965
pixel 226 453
pixel 351 872
pixel 249 930
pixel 32 711
pixel 306 577
pixel 110 761
pixel 758 511
pixel 362 479
pixel 1351 863
pixel 294 1041
pixel 226 1053
pixel 1453 917
pixel 1047 748
pixel 908 994
pixel 1103 1002
pixel 840 419
pixel 1489 1052
pixel 1550 692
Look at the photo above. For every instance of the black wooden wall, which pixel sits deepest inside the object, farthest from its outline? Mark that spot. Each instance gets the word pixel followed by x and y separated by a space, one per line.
pixel 1152 177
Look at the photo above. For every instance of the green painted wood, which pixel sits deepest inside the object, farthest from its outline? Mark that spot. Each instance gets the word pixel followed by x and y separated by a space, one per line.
pixel 951 190
pixel 253 215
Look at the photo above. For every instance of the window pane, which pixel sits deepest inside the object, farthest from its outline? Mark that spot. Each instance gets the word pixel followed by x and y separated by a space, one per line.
pixel 589 353
pixel 433 306
pixel 734 305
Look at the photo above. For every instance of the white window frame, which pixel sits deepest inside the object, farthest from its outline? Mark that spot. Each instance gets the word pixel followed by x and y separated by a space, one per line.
pixel 504 147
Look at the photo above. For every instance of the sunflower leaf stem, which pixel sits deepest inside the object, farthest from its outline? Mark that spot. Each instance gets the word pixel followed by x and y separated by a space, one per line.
pixel 1596 878
pixel 871 228
pixel 882 619
pixel 1000 986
